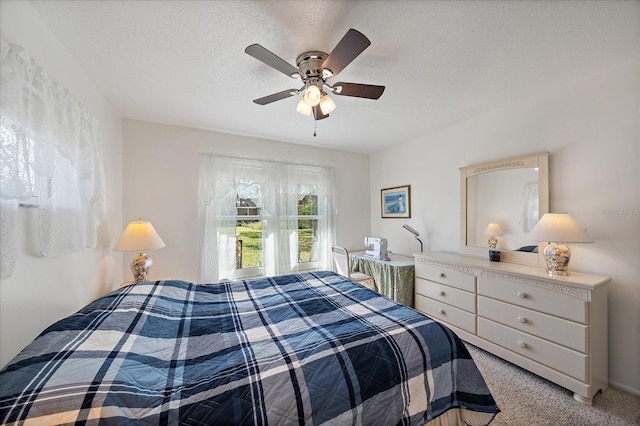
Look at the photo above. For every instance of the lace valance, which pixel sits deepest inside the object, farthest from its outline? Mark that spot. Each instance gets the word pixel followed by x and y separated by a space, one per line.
pixel 50 152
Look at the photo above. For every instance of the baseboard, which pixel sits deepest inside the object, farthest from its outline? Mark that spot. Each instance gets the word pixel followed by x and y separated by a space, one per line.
pixel 625 388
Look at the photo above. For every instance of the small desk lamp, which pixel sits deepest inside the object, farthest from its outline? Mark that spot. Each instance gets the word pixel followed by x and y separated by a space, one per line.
pixel 556 229
pixel 139 236
pixel 415 233
pixel 492 230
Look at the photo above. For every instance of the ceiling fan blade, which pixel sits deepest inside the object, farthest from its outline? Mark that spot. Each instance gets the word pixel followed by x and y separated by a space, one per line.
pixel 318 114
pixel 368 91
pixel 352 44
pixel 262 54
pixel 276 96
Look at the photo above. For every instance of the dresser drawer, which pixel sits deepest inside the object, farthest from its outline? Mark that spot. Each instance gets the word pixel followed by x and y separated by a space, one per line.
pixel 446 294
pixel 572 363
pixel 448 276
pixel 443 312
pixel 558 330
pixel 536 298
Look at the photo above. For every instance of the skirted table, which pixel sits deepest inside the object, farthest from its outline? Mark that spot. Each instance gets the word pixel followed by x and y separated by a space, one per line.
pixel 395 278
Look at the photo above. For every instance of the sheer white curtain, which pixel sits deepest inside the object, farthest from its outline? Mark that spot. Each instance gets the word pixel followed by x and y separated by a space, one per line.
pixel 49 150
pixel 530 208
pixel 277 187
pixel 297 181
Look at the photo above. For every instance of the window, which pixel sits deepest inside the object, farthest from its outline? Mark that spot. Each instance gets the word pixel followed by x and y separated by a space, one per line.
pixel 262 218
pixel 308 225
pixel 249 227
pixel 18 174
pixel 49 151
pixel 17 162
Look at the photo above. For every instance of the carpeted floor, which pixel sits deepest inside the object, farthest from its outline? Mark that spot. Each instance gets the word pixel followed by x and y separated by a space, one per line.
pixel 526 399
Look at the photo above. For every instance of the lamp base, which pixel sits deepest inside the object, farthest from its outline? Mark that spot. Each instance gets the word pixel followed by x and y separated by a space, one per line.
pixel 557 256
pixel 494 255
pixel 493 242
pixel 140 267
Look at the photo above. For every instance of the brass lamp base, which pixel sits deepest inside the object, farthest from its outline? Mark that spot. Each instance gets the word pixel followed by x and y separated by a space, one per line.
pixel 140 267
pixel 557 256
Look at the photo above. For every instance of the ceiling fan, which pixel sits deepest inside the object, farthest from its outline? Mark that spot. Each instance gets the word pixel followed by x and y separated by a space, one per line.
pixel 314 68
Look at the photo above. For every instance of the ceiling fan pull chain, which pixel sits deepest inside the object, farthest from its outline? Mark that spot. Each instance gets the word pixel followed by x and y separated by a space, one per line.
pixel 315 128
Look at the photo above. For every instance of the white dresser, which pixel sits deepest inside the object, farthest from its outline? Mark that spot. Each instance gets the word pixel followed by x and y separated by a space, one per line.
pixel 555 327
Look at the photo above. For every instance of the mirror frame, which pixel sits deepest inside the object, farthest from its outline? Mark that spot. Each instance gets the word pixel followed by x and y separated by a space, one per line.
pixel 541 161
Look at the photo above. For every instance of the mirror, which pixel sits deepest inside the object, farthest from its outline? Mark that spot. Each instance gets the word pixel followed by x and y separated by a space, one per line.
pixel 513 193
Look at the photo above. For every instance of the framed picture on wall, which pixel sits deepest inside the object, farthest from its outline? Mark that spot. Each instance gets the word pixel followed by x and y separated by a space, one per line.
pixel 396 202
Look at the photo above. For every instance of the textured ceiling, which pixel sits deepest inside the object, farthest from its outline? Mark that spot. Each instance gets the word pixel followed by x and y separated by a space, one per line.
pixel 442 62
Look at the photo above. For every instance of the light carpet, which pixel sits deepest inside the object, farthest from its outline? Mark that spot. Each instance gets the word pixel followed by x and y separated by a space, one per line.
pixel 527 399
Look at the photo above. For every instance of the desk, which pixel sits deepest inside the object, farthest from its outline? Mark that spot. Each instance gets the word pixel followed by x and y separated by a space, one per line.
pixel 394 278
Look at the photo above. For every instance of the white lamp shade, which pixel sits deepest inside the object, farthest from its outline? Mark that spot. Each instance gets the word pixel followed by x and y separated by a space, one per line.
pixel 303 108
pixel 312 95
pixel 326 104
pixel 139 236
pixel 493 229
pixel 559 228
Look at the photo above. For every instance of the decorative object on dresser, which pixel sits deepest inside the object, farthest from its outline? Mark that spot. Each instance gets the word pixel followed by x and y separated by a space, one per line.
pixel 492 230
pixel 494 255
pixel 556 229
pixel 554 326
pixel 416 234
pixel 139 236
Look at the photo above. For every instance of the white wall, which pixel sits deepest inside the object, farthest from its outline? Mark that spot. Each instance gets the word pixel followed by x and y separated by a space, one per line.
pixel 161 185
pixel 592 131
pixel 43 290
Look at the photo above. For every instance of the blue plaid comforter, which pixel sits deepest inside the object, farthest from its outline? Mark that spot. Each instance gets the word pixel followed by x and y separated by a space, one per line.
pixel 311 348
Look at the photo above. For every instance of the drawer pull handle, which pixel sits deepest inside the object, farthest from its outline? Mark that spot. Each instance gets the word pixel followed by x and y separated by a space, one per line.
pixel 522 344
pixel 522 320
pixel 442 293
pixel 441 311
pixel 522 295
pixel 442 275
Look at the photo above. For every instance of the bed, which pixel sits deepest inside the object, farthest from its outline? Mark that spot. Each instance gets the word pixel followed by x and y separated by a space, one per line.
pixel 310 348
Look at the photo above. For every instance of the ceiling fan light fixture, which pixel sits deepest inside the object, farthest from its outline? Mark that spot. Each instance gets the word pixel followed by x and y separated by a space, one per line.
pixel 313 68
pixel 327 105
pixel 303 108
pixel 312 95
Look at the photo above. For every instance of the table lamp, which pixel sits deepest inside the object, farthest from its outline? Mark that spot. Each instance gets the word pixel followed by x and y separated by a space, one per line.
pixel 557 229
pixel 415 233
pixel 139 236
pixel 492 230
